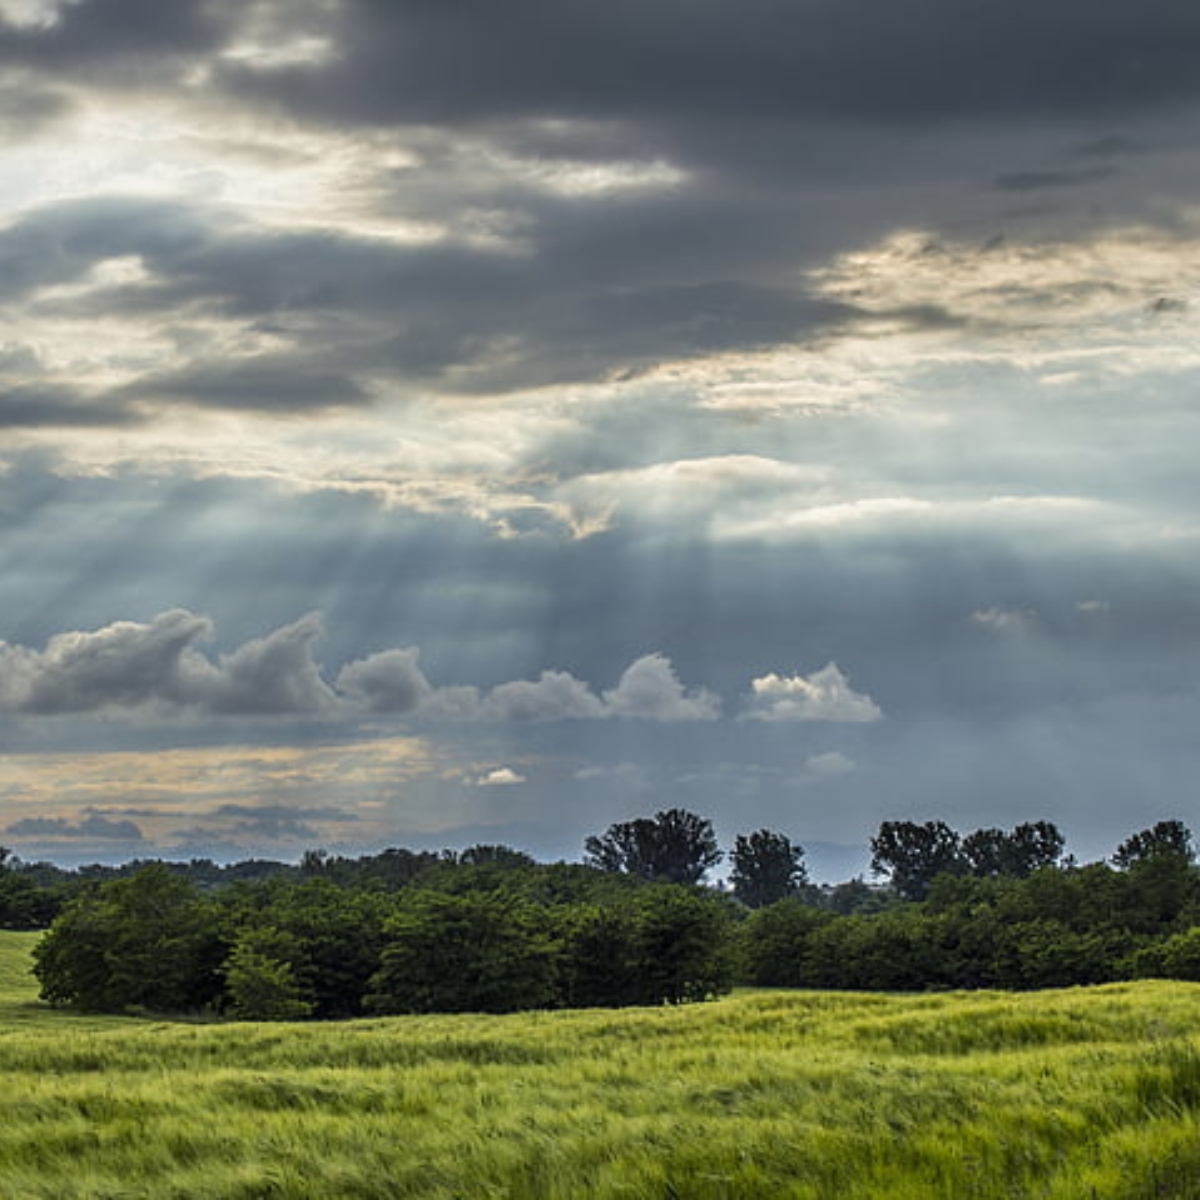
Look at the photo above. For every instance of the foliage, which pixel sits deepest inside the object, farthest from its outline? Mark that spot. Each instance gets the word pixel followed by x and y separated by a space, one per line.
pixel 676 846
pixel 491 937
pixel 766 867
pixel 1028 848
pixel 142 942
pixel 775 942
pixel 1171 839
pixel 260 980
pixel 1056 927
pixel 463 953
pixel 681 946
pixel 914 855
pixel 489 929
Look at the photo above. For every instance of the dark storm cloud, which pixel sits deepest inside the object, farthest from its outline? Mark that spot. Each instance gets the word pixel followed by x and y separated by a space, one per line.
pixel 59 243
pixel 276 821
pixel 1032 181
pixel 587 301
pixel 262 384
pixel 90 827
pixel 99 34
pixel 422 61
pixel 433 62
pixel 48 406
pixel 28 110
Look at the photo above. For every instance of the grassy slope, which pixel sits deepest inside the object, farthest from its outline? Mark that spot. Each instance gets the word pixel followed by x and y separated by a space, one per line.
pixel 1064 1095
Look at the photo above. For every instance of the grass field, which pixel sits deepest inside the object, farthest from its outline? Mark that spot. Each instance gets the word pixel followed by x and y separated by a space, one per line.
pixel 1066 1095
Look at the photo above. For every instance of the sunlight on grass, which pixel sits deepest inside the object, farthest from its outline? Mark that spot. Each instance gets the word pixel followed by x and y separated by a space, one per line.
pixel 814 1096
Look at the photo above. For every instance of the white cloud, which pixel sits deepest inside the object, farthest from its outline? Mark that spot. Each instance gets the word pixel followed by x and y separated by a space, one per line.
pixel 825 695
pixel 500 777
pixel 829 765
pixel 627 775
pixel 651 690
pixel 1004 620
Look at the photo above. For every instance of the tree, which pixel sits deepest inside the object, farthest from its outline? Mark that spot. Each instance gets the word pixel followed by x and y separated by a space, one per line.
pixel 767 867
pixel 474 952
pixel 486 854
pixel 145 941
pixel 1028 848
pixel 683 945
pixel 985 852
pixel 674 846
pixel 330 938
pixel 1167 838
pixel 774 943
pixel 259 978
pixel 913 855
pixel 1034 846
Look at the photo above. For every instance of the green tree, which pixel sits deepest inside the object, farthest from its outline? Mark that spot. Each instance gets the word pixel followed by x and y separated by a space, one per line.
pixel 1028 848
pixel 774 943
pixel 767 867
pixel 144 941
pixel 474 952
pixel 675 846
pixel 1165 839
pixel 599 955
pixel 913 855
pixel 333 937
pixel 260 980
pixel 684 949
pixel 496 856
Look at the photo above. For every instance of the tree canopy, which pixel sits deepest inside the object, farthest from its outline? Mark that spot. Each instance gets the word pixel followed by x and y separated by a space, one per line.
pixel 674 846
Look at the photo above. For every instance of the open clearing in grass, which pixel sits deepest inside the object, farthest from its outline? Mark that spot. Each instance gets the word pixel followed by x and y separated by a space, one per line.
pixel 1065 1095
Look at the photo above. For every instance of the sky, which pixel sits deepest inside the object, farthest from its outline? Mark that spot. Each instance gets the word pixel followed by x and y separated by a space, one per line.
pixel 433 422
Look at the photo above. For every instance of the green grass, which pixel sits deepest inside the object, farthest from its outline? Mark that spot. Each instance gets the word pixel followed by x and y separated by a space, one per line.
pixel 1066 1095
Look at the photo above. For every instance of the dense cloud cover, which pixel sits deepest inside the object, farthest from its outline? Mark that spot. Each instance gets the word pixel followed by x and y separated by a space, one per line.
pixel 430 422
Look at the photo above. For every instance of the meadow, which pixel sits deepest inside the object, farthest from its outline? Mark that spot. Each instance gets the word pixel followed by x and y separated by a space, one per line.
pixel 1068 1095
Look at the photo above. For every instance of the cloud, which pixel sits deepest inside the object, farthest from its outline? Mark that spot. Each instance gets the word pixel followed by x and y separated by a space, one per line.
pixel 261 383
pixel 420 64
pixel 155 666
pixel 123 665
pixel 825 695
pixel 1007 620
pixel 650 689
pixel 61 406
pixel 828 765
pixel 1030 181
pixel 500 777
pixel 90 827
pixel 134 666
pixel 628 775
pixel 388 682
pixel 272 675
pixel 555 696
pixel 278 822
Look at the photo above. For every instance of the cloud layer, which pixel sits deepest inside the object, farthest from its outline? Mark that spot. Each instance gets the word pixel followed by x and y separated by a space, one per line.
pixel 597 373
pixel 157 667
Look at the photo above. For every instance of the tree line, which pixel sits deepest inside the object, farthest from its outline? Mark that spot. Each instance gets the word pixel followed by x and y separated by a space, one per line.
pixel 637 922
